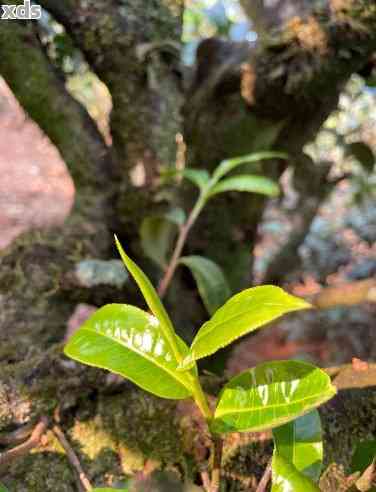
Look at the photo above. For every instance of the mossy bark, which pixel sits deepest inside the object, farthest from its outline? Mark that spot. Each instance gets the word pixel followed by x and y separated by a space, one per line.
pixel 115 433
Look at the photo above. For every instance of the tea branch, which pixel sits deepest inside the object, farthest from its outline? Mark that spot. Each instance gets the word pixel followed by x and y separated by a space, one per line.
pixel 265 478
pixel 180 243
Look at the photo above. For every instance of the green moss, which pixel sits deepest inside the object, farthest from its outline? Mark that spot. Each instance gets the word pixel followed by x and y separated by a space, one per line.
pixel 41 471
pixel 348 419
pixel 143 423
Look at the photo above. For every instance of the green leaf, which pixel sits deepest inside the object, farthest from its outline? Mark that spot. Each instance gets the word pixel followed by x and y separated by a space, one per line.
pixel 199 177
pixel 363 154
pixel 228 165
pixel 156 238
pixel 364 455
pixel 286 478
pixel 176 216
pixel 2 488
pixel 300 442
pixel 128 341
pixel 157 233
pixel 152 300
pixel 211 282
pixel 247 183
pixel 243 313
pixel 270 395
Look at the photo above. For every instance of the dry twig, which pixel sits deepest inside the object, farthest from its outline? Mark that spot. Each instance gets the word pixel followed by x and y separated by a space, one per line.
pixel 23 449
pixel 72 457
pixel 265 478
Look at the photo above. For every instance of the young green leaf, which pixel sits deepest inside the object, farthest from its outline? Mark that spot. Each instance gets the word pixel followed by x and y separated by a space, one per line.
pixel 157 233
pixel 228 165
pixel 286 478
pixel 211 282
pixel 247 183
pixel 243 313
pixel 270 395
pixel 156 238
pixel 2 488
pixel 199 177
pixel 300 442
pixel 128 341
pixel 152 300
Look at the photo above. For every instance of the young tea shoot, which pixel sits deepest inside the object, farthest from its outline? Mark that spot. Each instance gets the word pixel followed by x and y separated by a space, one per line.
pixel 280 395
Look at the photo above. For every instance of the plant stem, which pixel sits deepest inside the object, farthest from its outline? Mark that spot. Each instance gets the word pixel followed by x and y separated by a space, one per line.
pixel 217 464
pixel 198 394
pixel 23 449
pixel 265 478
pixel 200 398
pixel 183 235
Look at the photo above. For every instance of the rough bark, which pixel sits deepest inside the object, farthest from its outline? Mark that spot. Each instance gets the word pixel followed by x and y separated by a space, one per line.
pixel 276 95
pixel 311 182
pixel 134 47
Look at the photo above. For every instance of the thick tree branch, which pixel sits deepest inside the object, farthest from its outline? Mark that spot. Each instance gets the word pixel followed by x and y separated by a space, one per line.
pixel 42 93
pixel 134 49
pixel 313 186
pixel 347 294
pixel 275 95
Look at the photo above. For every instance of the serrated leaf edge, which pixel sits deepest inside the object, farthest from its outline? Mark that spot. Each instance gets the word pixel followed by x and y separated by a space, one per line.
pixel 188 361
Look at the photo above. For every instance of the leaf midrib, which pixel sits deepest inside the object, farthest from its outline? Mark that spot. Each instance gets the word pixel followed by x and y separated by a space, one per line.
pixel 142 354
pixel 254 409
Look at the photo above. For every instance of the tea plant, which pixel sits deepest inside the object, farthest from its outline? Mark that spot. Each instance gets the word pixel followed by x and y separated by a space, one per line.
pixel 157 232
pixel 280 395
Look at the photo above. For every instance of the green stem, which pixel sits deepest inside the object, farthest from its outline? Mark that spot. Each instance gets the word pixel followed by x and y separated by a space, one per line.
pixel 182 239
pixel 200 398
pixel 198 393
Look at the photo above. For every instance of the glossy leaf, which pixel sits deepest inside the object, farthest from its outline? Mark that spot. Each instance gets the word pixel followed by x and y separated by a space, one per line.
pixel 128 341
pixel 286 478
pixel 211 282
pixel 152 300
pixel 230 164
pixel 243 313
pixel 364 455
pixel 300 443
pixel 247 183
pixel 199 177
pixel 271 395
